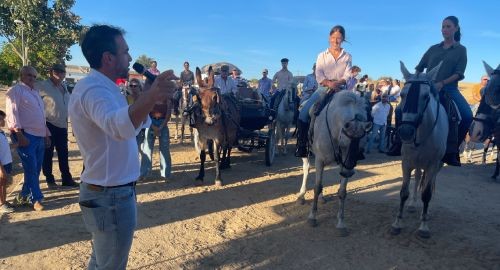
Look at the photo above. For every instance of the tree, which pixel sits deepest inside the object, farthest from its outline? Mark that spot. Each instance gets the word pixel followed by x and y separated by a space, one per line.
pixel 144 60
pixel 49 31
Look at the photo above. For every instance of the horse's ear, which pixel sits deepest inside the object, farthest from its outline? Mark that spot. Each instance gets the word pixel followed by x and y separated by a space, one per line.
pixel 198 77
pixel 488 68
pixel 404 70
pixel 211 75
pixel 433 73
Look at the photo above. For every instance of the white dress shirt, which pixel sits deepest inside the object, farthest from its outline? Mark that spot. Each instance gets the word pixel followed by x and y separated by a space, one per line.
pixel 104 132
pixel 284 79
pixel 226 86
pixel 329 68
pixel 308 87
pixel 380 111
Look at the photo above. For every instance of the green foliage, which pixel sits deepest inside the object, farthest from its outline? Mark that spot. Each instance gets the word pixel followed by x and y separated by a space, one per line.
pixel 144 60
pixel 49 32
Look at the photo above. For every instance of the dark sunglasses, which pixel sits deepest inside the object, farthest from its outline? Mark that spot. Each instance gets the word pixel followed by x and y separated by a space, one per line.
pixel 133 85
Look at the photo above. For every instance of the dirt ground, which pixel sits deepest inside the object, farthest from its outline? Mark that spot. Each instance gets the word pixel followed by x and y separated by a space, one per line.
pixel 254 222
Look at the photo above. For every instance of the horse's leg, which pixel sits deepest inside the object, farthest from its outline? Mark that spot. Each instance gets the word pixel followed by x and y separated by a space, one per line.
pixel 218 180
pixel 342 193
pixel 305 174
pixel 183 124
pixel 318 189
pixel 176 126
pixel 497 166
pixel 404 194
pixel 429 179
pixel 224 162
pixel 286 131
pixel 411 208
pixel 201 174
pixel 228 158
pixel 485 150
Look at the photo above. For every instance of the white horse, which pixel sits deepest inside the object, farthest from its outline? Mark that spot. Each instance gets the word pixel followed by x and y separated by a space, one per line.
pixel 284 120
pixel 424 130
pixel 338 131
pixel 182 117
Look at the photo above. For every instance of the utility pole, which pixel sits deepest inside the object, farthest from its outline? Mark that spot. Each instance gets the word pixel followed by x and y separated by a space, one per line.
pixel 23 49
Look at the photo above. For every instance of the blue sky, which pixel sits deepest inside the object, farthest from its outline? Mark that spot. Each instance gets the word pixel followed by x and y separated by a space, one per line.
pixel 256 34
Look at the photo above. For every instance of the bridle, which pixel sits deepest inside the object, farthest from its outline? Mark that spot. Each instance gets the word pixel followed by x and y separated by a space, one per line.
pixel 354 140
pixel 418 121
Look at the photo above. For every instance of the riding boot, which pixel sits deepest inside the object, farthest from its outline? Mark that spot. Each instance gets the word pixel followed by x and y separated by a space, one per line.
pixel 302 141
pixel 452 156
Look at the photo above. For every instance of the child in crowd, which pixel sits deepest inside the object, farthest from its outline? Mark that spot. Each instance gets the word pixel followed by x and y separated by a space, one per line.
pixel 5 167
pixel 380 111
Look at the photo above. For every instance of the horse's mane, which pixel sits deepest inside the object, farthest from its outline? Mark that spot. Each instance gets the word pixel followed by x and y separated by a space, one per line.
pixel 345 98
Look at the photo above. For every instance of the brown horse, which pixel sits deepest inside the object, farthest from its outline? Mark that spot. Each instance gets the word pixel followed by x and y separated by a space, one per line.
pixel 217 119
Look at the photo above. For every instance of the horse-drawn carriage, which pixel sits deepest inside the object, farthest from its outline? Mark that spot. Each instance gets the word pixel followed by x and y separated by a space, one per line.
pixel 257 129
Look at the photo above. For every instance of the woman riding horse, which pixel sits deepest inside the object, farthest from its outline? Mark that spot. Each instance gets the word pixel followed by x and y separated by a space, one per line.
pixel 333 68
pixel 454 58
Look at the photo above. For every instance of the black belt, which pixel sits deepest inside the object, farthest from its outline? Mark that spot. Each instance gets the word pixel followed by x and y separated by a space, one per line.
pixel 102 188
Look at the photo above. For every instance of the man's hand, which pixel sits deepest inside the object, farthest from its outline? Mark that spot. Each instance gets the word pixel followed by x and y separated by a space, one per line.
pixel 48 142
pixel 22 140
pixel 163 86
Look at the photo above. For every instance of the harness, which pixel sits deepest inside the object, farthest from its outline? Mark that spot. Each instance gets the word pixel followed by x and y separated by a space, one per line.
pixel 420 115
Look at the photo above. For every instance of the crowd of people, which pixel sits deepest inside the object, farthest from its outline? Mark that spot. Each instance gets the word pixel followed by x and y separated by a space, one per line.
pixel 112 130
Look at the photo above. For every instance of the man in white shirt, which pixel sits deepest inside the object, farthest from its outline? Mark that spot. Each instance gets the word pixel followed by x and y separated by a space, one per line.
pixel 225 83
pixel 283 79
pixel 309 86
pixel 380 111
pixel 105 127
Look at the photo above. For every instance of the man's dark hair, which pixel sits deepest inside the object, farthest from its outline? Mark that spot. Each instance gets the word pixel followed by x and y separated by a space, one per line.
pixel 2 113
pixel 98 40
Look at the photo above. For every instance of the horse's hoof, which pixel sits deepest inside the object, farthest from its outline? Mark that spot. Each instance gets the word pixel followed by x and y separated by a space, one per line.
pixel 342 232
pixel 218 183
pixel 301 201
pixel 312 222
pixel 411 209
pixel 424 234
pixel 395 231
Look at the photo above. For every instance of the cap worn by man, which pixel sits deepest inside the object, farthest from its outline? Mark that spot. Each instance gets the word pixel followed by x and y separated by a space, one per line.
pixel 224 68
pixel 284 60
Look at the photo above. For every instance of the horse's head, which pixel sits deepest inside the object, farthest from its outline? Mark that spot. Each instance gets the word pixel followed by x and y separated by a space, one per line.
pixel 350 117
pixel 210 99
pixel 492 89
pixel 482 127
pixel 416 94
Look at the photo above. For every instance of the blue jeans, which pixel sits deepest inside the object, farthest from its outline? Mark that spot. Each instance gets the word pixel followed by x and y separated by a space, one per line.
pixel 304 111
pixel 147 150
pixel 375 130
pixel 463 108
pixel 110 215
pixel 32 159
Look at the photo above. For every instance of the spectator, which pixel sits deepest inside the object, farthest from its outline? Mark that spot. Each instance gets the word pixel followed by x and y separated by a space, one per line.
pixel 310 85
pixel 5 167
pixel 352 81
pixel 160 115
pixel 134 91
pixel 105 128
pixel 55 97
pixel 477 91
pixel 265 85
pixel 235 75
pixel 225 83
pixel 26 118
pixel 395 91
pixel 187 76
pixel 379 113
pixel 153 68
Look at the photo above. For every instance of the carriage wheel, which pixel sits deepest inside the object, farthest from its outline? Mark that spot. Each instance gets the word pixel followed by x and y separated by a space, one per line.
pixel 270 146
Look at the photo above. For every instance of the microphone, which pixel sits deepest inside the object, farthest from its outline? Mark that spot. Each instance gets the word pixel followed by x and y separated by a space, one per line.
pixel 142 70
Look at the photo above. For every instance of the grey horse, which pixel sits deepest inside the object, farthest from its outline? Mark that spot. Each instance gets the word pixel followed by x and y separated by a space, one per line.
pixel 424 130
pixel 284 120
pixel 338 131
